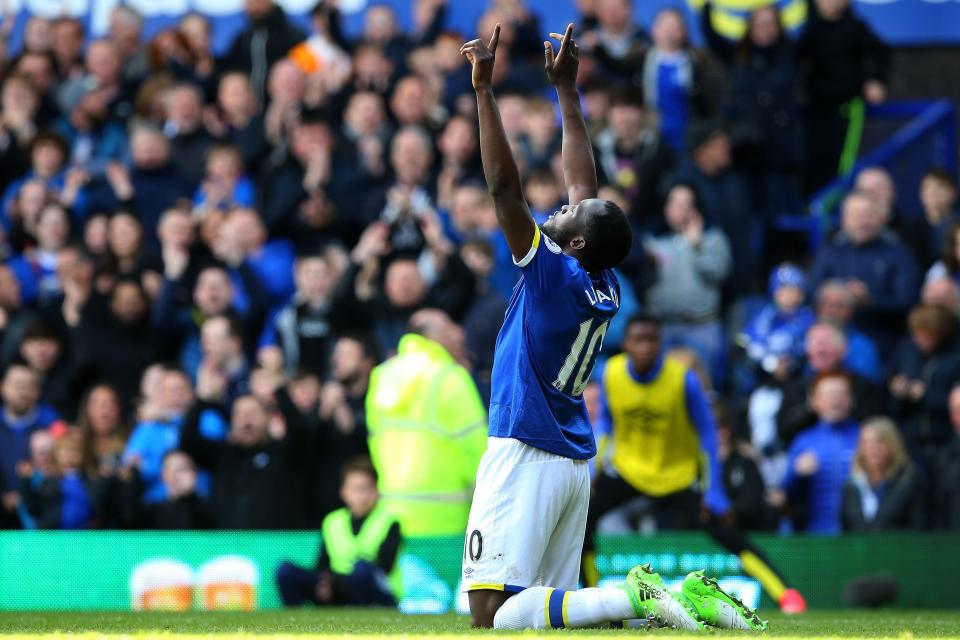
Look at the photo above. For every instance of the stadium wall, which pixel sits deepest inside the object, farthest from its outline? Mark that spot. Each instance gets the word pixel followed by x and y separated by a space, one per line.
pixel 206 570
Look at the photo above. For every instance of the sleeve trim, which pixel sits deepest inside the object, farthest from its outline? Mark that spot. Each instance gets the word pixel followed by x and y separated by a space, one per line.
pixel 533 249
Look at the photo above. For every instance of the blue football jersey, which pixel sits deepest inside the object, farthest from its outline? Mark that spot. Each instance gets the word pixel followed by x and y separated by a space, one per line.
pixel 551 335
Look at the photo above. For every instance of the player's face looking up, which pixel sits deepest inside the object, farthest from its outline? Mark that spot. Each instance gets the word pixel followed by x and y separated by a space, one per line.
pixel 583 232
pixel 642 344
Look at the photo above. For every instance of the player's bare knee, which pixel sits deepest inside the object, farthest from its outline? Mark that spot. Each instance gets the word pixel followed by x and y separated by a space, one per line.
pixel 484 605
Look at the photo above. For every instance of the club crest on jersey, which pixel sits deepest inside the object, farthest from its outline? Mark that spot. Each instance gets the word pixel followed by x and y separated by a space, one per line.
pixel 596 296
pixel 550 244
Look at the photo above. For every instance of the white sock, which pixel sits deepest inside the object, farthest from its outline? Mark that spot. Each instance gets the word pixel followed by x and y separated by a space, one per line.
pixel 546 607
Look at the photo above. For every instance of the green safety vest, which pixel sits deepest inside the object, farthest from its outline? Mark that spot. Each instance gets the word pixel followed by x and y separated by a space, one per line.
pixel 345 549
pixel 427 430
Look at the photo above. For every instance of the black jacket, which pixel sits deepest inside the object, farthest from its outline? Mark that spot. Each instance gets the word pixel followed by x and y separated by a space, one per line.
pixel 946 509
pixel 837 58
pixel 902 505
pixel 927 421
pixel 260 45
pixel 259 487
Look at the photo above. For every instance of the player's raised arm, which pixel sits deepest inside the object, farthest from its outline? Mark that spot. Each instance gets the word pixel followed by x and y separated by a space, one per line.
pixel 499 168
pixel 579 170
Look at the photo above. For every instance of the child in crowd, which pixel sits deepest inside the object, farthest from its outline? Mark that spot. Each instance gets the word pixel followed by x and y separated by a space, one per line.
pixel 357 564
pixel 52 485
pixel 774 337
pixel 224 185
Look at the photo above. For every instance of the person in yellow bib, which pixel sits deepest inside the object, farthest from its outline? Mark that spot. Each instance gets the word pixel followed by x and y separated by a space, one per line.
pixel 665 448
pixel 357 564
pixel 426 428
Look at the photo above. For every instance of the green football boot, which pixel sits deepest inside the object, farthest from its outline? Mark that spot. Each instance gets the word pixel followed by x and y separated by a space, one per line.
pixel 652 600
pixel 716 607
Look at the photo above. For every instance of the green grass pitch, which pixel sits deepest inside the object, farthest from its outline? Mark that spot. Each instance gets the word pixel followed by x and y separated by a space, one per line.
pixel 361 624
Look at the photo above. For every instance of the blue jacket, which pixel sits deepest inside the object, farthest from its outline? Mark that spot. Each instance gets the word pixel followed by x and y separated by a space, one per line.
pixel 15 441
pixel 862 357
pixel 822 492
pixel 884 265
pixel 774 333
pixel 151 440
pixel 273 265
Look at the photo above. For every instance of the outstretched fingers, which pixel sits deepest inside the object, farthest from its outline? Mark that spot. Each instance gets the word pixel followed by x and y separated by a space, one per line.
pixel 564 39
pixel 494 39
pixel 547 53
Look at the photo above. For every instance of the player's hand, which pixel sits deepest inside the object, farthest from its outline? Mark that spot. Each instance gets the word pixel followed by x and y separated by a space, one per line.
pixel 562 68
pixel 481 56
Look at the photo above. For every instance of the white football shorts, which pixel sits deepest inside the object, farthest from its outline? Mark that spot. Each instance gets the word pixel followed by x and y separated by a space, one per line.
pixel 527 520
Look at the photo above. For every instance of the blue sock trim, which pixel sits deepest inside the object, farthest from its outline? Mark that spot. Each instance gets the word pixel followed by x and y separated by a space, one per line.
pixel 556 608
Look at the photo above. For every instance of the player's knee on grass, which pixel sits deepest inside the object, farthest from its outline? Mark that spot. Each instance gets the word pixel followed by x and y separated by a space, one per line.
pixel 484 604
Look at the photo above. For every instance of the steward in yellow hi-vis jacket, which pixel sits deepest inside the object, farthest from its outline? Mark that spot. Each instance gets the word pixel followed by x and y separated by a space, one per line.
pixel 664 441
pixel 427 430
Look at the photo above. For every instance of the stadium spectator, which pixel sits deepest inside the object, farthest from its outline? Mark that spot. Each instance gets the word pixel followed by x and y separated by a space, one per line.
pixel 836 305
pixel 181 509
pixel 948 266
pixel 338 430
pixel 357 563
pixel 672 77
pixel 825 349
pixel 723 195
pixel 301 332
pixel 57 498
pixel 149 187
pixel 774 337
pixel 879 270
pixel 946 502
pixel 692 262
pixel 103 434
pixel 819 459
pixel 312 193
pixel 118 345
pixel 926 234
pixel 422 405
pixel 66 45
pixel 257 469
pixel 187 132
pixel 842 62
pixel 158 431
pixel 617 43
pixel 742 481
pixel 878 184
pixel 18 103
pixel 102 69
pixel 922 371
pixel 224 184
pixel 266 40
pixel 214 294
pixel 632 155
pixel 239 120
pixel 766 122
pixel 48 156
pixel 42 348
pixel 942 292
pixel 884 490
pixel 21 414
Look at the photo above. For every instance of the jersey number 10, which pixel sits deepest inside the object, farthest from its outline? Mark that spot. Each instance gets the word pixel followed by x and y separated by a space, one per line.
pixel 581 356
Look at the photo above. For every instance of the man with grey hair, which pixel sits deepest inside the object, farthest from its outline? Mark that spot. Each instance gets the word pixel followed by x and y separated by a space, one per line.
pixel 826 348
pixel 835 304
pixel 942 292
pixel 879 270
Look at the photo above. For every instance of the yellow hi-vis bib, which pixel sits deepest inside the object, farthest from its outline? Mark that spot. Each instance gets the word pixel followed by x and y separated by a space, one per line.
pixel 346 549
pixel 656 448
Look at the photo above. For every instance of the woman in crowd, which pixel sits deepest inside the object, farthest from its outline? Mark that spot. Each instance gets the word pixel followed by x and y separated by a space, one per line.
pixel 884 490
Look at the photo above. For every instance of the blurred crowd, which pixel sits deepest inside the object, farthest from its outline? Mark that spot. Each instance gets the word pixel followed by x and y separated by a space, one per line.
pixel 204 257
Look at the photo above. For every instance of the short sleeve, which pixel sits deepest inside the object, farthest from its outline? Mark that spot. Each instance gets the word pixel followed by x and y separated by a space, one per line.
pixel 544 267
